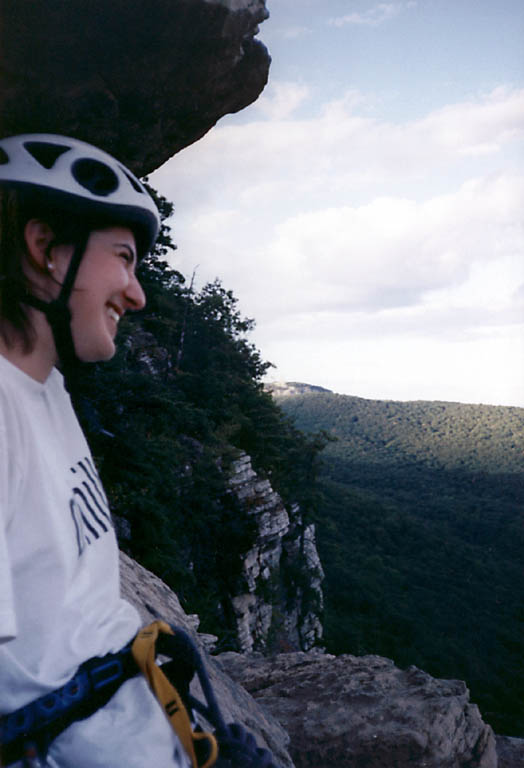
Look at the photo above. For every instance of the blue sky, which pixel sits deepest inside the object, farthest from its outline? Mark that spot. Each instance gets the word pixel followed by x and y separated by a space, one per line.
pixel 367 210
pixel 415 54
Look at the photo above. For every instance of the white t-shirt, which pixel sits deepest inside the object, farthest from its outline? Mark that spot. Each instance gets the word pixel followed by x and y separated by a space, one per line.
pixel 60 598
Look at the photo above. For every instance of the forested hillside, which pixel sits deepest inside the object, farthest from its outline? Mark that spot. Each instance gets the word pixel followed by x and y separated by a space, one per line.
pixel 167 415
pixel 421 532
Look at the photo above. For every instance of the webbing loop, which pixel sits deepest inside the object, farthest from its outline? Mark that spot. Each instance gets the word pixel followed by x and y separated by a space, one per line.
pixel 143 650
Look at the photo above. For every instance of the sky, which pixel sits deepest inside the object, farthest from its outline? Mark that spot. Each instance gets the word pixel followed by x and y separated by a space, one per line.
pixel 368 209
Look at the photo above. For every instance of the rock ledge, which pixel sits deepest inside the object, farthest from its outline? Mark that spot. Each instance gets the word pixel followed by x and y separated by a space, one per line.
pixel 140 78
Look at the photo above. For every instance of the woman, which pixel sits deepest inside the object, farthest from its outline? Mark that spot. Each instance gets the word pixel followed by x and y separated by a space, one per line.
pixel 73 222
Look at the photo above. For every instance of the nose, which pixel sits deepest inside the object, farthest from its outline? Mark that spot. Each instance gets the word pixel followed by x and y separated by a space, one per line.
pixel 135 296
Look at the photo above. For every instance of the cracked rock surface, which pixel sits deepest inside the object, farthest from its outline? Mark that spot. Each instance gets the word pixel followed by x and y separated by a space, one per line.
pixel 364 712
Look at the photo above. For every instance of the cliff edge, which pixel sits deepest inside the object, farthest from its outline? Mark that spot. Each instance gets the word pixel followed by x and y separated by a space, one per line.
pixel 313 709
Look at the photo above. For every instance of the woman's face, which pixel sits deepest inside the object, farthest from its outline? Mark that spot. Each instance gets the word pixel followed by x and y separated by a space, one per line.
pixel 105 288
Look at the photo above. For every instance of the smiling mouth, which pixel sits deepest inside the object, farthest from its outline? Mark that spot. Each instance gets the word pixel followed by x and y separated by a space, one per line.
pixel 113 314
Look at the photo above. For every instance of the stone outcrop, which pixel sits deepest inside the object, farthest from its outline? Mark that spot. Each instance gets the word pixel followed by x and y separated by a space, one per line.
pixel 510 752
pixel 346 711
pixel 146 355
pixel 154 600
pixel 140 78
pixel 290 388
pixel 365 712
pixel 278 600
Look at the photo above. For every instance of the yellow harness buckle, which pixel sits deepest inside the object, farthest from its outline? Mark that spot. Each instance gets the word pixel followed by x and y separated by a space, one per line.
pixel 143 650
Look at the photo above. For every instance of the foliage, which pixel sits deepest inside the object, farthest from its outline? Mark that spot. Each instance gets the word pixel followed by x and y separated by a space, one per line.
pixel 422 523
pixel 181 398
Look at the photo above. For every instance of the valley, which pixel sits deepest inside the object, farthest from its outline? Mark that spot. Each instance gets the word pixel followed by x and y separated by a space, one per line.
pixel 420 529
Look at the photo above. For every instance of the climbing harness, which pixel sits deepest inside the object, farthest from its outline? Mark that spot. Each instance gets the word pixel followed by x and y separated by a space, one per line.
pixel 144 653
pixel 26 734
pixel 237 747
pixel 36 725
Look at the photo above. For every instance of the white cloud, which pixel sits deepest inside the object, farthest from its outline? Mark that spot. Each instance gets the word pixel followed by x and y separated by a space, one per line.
pixel 488 369
pixel 293 33
pixel 477 127
pixel 393 251
pixel 280 100
pixel 374 16
pixel 339 155
pixel 369 252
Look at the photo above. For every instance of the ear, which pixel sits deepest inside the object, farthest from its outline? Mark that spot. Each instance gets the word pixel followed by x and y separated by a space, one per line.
pixel 38 235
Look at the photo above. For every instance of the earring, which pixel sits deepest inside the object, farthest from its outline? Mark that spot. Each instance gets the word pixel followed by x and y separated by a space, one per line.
pixel 50 266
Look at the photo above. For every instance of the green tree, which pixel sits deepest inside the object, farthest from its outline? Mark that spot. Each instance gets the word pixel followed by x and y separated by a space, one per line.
pixel 182 396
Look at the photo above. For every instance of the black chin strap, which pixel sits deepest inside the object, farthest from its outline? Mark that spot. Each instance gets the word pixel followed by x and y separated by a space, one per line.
pixel 58 316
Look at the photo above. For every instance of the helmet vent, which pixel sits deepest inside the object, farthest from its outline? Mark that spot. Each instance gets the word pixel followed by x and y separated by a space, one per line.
pixel 134 183
pixel 44 153
pixel 98 178
pixel 4 158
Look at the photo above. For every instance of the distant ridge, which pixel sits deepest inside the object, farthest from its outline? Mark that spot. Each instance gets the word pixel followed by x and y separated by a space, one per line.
pixel 298 388
pixel 290 388
pixel 419 530
pixel 433 434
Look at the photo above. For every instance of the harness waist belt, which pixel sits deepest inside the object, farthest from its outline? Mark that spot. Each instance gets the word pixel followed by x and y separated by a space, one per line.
pixel 41 721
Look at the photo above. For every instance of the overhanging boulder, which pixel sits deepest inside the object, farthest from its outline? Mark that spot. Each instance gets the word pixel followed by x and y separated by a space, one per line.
pixel 139 78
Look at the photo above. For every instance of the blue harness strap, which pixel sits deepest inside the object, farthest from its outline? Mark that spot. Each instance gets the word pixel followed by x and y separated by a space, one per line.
pixel 36 724
pixel 26 734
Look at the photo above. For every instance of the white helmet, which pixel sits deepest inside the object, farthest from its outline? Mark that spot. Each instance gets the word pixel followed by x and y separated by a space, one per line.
pixel 66 175
pixel 80 178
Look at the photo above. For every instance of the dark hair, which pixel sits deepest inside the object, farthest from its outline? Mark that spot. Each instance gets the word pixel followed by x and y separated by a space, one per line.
pixel 14 321
pixel 17 207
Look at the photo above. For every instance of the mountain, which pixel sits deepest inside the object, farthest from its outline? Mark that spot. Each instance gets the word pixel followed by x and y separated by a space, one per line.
pixel 290 388
pixel 420 531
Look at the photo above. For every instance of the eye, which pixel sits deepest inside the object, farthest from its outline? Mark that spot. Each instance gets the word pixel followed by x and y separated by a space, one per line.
pixel 125 251
pixel 128 256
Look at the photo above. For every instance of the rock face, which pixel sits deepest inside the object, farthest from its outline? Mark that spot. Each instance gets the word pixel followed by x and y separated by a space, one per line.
pixel 347 712
pixel 510 752
pixel 278 601
pixel 363 712
pixel 290 388
pixel 147 356
pixel 140 78
pixel 154 600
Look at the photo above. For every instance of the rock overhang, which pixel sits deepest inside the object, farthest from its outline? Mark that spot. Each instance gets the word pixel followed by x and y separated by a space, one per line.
pixel 140 78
